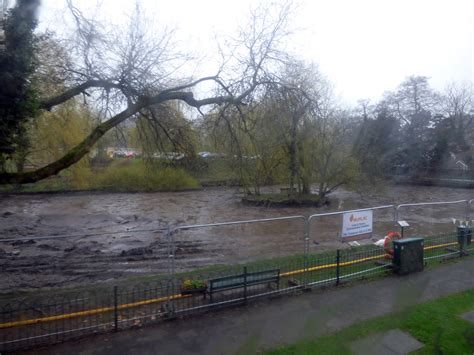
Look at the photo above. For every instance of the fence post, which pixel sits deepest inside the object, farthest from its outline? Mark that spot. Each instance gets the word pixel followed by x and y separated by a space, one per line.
pixel 170 247
pixel 462 236
pixel 172 255
pixel 395 215
pixel 115 309
pixel 245 284
pixel 468 211
pixel 466 230
pixel 338 262
pixel 306 252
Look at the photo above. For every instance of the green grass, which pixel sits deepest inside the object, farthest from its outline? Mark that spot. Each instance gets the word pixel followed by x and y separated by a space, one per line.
pixel 122 175
pixel 218 172
pixel 282 199
pixel 52 184
pixel 284 263
pixel 436 324
pixel 135 176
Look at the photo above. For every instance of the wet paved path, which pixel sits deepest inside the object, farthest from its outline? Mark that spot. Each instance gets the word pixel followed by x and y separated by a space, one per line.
pixel 285 320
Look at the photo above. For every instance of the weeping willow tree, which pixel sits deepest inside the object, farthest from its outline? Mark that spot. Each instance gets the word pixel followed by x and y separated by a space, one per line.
pixel 131 72
pixel 325 156
pixel 247 142
pixel 294 134
pixel 70 124
pixel 164 133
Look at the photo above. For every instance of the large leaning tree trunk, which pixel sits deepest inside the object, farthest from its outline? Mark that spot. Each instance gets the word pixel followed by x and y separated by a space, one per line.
pixel 126 75
pixel 75 154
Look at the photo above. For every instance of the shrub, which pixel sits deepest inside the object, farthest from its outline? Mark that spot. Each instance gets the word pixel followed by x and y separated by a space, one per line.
pixel 193 284
pixel 137 177
pixel 81 176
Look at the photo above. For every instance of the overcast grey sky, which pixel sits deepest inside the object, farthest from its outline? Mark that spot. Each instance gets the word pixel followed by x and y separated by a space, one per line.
pixel 365 47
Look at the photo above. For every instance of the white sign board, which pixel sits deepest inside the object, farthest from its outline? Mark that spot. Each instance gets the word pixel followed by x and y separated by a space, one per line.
pixel 403 224
pixel 356 223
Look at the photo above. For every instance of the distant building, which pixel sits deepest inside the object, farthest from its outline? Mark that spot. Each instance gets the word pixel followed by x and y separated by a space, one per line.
pixel 457 161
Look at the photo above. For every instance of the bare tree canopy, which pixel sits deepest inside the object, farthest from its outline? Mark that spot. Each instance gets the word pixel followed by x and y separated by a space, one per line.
pixel 126 72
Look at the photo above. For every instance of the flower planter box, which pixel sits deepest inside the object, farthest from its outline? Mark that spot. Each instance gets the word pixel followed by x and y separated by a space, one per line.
pixel 192 291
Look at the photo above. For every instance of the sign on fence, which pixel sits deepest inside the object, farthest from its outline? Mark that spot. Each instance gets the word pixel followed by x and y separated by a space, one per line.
pixel 357 225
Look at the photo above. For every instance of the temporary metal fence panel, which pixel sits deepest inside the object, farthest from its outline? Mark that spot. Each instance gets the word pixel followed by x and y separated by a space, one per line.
pixel 272 256
pixel 430 218
pixel 43 320
pixel 249 258
pixel 346 263
pixel 326 228
pixel 57 260
pixel 53 316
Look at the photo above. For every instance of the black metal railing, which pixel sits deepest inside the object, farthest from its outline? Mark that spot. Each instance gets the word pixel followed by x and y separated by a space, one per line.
pixel 56 317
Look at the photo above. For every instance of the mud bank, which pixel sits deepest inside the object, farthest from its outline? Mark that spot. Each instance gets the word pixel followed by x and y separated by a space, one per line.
pixel 126 250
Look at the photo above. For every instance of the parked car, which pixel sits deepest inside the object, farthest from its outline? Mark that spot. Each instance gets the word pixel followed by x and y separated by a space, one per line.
pixel 169 156
pixel 209 155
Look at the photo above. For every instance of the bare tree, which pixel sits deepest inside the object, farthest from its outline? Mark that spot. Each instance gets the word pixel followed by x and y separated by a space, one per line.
pixel 457 102
pixel 127 74
pixel 413 97
pixel 364 109
pixel 454 120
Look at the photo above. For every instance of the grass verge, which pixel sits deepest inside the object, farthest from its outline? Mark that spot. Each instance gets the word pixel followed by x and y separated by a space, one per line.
pixel 137 177
pixel 435 323
pixel 287 263
pixel 124 175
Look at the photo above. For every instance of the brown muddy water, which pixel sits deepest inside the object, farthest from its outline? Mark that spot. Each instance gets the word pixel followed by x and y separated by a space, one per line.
pixel 28 264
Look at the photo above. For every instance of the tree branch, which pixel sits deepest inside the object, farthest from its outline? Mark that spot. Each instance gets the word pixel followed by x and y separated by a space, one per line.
pixel 76 153
pixel 49 103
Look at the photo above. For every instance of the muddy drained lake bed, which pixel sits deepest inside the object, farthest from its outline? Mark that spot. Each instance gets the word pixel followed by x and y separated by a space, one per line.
pixel 121 234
